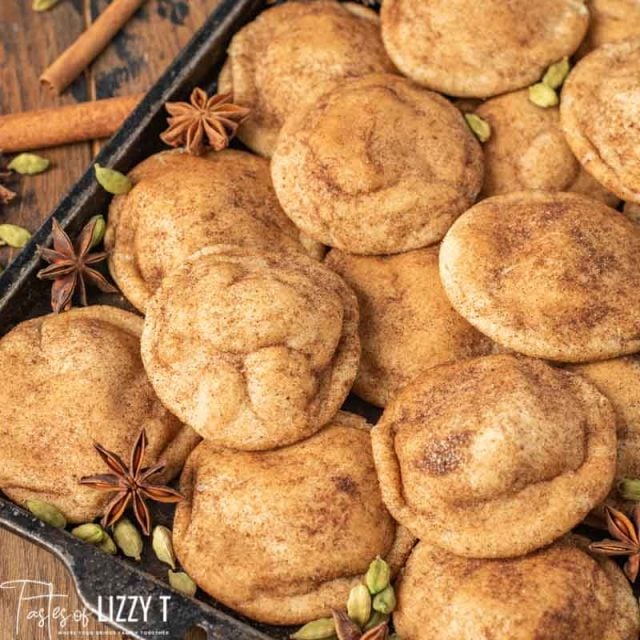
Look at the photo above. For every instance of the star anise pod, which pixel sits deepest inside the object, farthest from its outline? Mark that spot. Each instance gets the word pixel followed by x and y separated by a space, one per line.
pixel 215 119
pixel 346 629
pixel 626 542
pixel 131 484
pixel 70 266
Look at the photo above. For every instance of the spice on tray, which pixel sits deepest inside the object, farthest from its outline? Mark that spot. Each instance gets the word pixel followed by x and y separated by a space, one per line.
pixel 346 629
pixel 47 513
pixel 378 576
pixel 70 266
pixel 626 542
pixel 108 545
pixel 98 230
pixel 557 73
pixel 64 124
pixel 359 605
pixel 131 484
pixel 90 43
pixel 29 164
pixel 90 532
pixel 44 5
pixel 112 181
pixel 128 539
pixel 162 545
pixel 182 582
pixel 13 235
pixel 320 629
pixel 480 128
pixel 214 119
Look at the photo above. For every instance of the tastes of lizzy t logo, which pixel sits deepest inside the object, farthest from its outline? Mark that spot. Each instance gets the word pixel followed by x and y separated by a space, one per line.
pixel 39 606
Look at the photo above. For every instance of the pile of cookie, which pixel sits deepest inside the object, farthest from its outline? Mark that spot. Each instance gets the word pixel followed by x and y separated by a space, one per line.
pixel 485 295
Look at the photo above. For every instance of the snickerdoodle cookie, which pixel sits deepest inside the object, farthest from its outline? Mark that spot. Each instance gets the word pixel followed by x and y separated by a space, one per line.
pixel 496 456
pixel 254 350
pixel 556 593
pixel 281 536
pixel 611 21
pixel 74 379
pixel 291 54
pixel 391 178
pixel 407 324
pixel 480 49
pixel 619 380
pixel 554 276
pixel 527 150
pixel 599 110
pixel 181 203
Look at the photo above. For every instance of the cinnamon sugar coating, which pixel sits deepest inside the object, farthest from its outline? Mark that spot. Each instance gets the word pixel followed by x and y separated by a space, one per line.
pixel 77 378
pixel 611 21
pixel 291 54
pixel 599 111
pixel 556 593
pixel 496 456
pixel 407 324
pixel 282 536
pixel 480 49
pixel 379 165
pixel 555 276
pixel 527 150
pixel 254 350
pixel 181 203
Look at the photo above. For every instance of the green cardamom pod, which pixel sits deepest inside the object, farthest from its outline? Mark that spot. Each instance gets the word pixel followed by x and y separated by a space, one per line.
pixel 29 164
pixel 89 532
pixel 14 235
pixel 359 605
pixel 163 546
pixel 481 128
pixel 98 230
pixel 378 576
pixel 181 582
pixel 44 5
pixel 322 629
pixel 108 545
pixel 629 489
pixel 376 619
pixel 557 73
pixel 385 601
pixel 112 181
pixel 47 513
pixel 128 539
pixel 543 96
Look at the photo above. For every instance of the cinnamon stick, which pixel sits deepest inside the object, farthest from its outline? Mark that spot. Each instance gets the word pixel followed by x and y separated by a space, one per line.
pixel 62 125
pixel 90 43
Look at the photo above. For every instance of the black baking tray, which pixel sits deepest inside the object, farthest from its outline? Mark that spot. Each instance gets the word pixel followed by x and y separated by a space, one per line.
pixel 23 296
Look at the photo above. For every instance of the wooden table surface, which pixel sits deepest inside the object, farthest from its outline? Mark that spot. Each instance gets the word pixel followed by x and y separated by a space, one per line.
pixel 29 42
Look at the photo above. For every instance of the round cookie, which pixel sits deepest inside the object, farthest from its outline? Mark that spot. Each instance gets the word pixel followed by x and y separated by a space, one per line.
pixel 599 112
pixel 480 49
pixel 556 593
pixel 611 21
pixel 555 276
pixel 74 379
pixel 181 203
pixel 253 350
pixel 407 324
pixel 282 536
pixel 391 179
pixel 632 211
pixel 527 150
pixel 291 54
pixel 496 456
pixel 619 380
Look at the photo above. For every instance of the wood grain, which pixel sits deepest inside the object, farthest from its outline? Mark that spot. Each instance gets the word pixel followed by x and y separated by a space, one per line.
pixel 29 42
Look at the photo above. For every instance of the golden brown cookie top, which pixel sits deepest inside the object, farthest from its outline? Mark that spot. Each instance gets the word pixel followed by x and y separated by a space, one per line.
pixel 554 276
pixel 611 21
pixel 495 456
pixel 181 203
pixel 281 536
pixel 378 165
pixel 254 350
pixel 291 54
pixel 527 150
pixel 407 324
pixel 480 49
pixel 619 380
pixel 599 111
pixel 74 379
pixel 556 593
